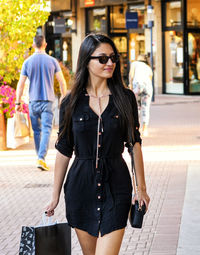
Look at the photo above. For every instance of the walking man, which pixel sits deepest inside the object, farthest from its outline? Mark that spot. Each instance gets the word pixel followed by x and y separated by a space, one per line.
pixel 40 69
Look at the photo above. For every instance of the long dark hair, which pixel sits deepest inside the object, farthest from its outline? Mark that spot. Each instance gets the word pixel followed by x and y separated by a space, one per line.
pixel 115 84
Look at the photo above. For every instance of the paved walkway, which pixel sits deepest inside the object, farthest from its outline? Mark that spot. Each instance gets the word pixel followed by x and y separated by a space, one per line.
pixel 171 153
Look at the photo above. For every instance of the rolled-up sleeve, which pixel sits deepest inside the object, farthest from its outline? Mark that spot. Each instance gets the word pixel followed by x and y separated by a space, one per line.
pixel 137 137
pixel 65 143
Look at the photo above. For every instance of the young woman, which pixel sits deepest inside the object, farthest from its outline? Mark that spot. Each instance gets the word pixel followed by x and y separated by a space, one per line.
pixel 96 119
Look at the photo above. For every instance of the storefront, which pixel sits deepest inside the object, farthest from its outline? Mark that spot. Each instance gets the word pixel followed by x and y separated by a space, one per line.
pixel 181 46
pixel 111 20
pixel 58 31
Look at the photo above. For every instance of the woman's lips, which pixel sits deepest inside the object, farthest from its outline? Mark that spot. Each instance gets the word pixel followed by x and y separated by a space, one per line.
pixel 108 69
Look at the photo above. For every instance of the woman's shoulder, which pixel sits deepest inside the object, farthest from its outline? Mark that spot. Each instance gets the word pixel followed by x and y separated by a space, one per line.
pixel 130 94
pixel 65 100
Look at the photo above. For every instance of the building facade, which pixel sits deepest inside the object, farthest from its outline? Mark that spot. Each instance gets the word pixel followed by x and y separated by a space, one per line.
pixel 174 42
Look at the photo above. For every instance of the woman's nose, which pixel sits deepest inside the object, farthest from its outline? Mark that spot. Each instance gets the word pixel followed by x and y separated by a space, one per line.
pixel 109 62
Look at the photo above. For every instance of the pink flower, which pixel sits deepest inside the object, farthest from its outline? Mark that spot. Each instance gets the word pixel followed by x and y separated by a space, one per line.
pixel 7 97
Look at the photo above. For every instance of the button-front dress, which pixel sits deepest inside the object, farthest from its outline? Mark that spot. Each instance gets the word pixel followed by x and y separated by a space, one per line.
pixel 98 188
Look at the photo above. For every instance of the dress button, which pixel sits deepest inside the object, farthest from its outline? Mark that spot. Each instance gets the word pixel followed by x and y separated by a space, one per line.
pixel 99 221
pixel 99 184
pixel 99 133
pixel 98 209
pixel 99 145
pixel 99 197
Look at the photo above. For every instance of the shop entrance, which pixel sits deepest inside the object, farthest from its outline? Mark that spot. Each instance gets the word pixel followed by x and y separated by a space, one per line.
pixel 174 72
pixel 181 46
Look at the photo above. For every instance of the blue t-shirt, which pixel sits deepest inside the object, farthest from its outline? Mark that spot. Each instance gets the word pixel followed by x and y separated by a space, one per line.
pixel 40 68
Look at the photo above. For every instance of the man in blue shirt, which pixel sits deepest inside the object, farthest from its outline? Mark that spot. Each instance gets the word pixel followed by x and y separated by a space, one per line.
pixel 40 69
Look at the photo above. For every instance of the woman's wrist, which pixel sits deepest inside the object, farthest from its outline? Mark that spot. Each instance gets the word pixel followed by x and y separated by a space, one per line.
pixel 55 197
pixel 141 188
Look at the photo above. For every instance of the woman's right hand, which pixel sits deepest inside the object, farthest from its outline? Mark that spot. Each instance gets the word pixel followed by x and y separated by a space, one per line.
pixel 51 207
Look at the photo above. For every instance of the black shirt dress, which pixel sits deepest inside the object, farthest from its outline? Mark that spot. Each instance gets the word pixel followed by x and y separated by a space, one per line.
pixel 98 188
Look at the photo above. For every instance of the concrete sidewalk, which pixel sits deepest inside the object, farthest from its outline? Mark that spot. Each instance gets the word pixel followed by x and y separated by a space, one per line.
pixel 171 154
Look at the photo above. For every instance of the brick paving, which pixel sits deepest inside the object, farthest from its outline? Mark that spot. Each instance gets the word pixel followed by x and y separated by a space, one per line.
pixel 173 144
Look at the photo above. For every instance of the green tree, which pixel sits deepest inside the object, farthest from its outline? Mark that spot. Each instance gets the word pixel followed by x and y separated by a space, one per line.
pixel 19 20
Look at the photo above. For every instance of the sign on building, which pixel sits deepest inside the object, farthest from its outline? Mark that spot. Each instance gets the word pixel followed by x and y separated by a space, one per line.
pixel 59 26
pixel 60 5
pixel 89 3
pixel 131 20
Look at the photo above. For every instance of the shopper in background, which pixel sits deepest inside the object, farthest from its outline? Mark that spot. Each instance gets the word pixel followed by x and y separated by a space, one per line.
pixel 40 69
pixel 140 81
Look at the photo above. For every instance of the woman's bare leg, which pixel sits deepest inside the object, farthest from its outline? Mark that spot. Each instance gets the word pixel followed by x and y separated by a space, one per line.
pixel 87 242
pixel 110 243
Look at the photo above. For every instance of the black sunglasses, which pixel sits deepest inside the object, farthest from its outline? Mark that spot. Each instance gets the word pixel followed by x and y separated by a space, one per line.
pixel 104 59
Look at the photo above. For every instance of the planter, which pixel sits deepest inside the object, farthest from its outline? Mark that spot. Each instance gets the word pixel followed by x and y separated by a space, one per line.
pixel 2 132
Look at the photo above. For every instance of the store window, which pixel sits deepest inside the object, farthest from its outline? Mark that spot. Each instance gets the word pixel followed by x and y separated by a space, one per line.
pixel 121 44
pixel 97 20
pixel 194 61
pixel 117 19
pixel 57 47
pixel 173 13
pixel 136 45
pixel 193 10
pixel 174 62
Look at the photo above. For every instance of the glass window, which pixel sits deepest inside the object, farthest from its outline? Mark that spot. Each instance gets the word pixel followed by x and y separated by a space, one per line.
pixel 57 49
pixel 174 62
pixel 194 61
pixel 136 45
pixel 173 14
pixel 193 10
pixel 118 18
pixel 97 20
pixel 121 44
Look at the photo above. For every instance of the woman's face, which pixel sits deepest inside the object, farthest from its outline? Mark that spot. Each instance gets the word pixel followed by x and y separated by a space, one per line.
pixel 97 69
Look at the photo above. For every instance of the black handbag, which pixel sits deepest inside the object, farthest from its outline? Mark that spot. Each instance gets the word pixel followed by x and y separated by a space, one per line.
pixel 54 239
pixel 136 212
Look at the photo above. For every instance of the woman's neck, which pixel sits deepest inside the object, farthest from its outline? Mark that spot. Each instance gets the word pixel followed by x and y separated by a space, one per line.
pixel 98 88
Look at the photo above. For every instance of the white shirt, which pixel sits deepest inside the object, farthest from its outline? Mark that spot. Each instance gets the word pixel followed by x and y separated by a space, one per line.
pixel 142 75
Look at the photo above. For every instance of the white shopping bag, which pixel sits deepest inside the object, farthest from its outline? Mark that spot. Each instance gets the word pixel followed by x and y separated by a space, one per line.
pixel 13 141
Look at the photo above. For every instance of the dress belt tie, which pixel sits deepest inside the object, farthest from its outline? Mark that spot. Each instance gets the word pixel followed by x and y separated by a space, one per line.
pixel 118 155
pixel 105 172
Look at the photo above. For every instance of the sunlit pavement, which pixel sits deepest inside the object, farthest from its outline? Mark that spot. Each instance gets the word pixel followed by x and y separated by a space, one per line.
pixel 172 156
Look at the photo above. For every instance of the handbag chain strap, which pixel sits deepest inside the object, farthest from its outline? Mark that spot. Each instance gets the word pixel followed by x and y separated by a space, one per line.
pixel 135 184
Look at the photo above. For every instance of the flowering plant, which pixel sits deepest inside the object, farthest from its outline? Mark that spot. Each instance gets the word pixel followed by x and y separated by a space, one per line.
pixel 7 101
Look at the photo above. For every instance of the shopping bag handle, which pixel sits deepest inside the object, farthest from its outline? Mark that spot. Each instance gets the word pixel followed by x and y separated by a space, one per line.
pixel 46 221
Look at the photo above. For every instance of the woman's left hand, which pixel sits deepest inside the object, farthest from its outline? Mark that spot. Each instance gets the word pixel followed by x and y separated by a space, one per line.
pixel 142 198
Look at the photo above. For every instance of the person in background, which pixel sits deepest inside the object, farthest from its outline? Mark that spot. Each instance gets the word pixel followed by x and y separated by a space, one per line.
pixel 40 69
pixel 96 120
pixel 140 81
